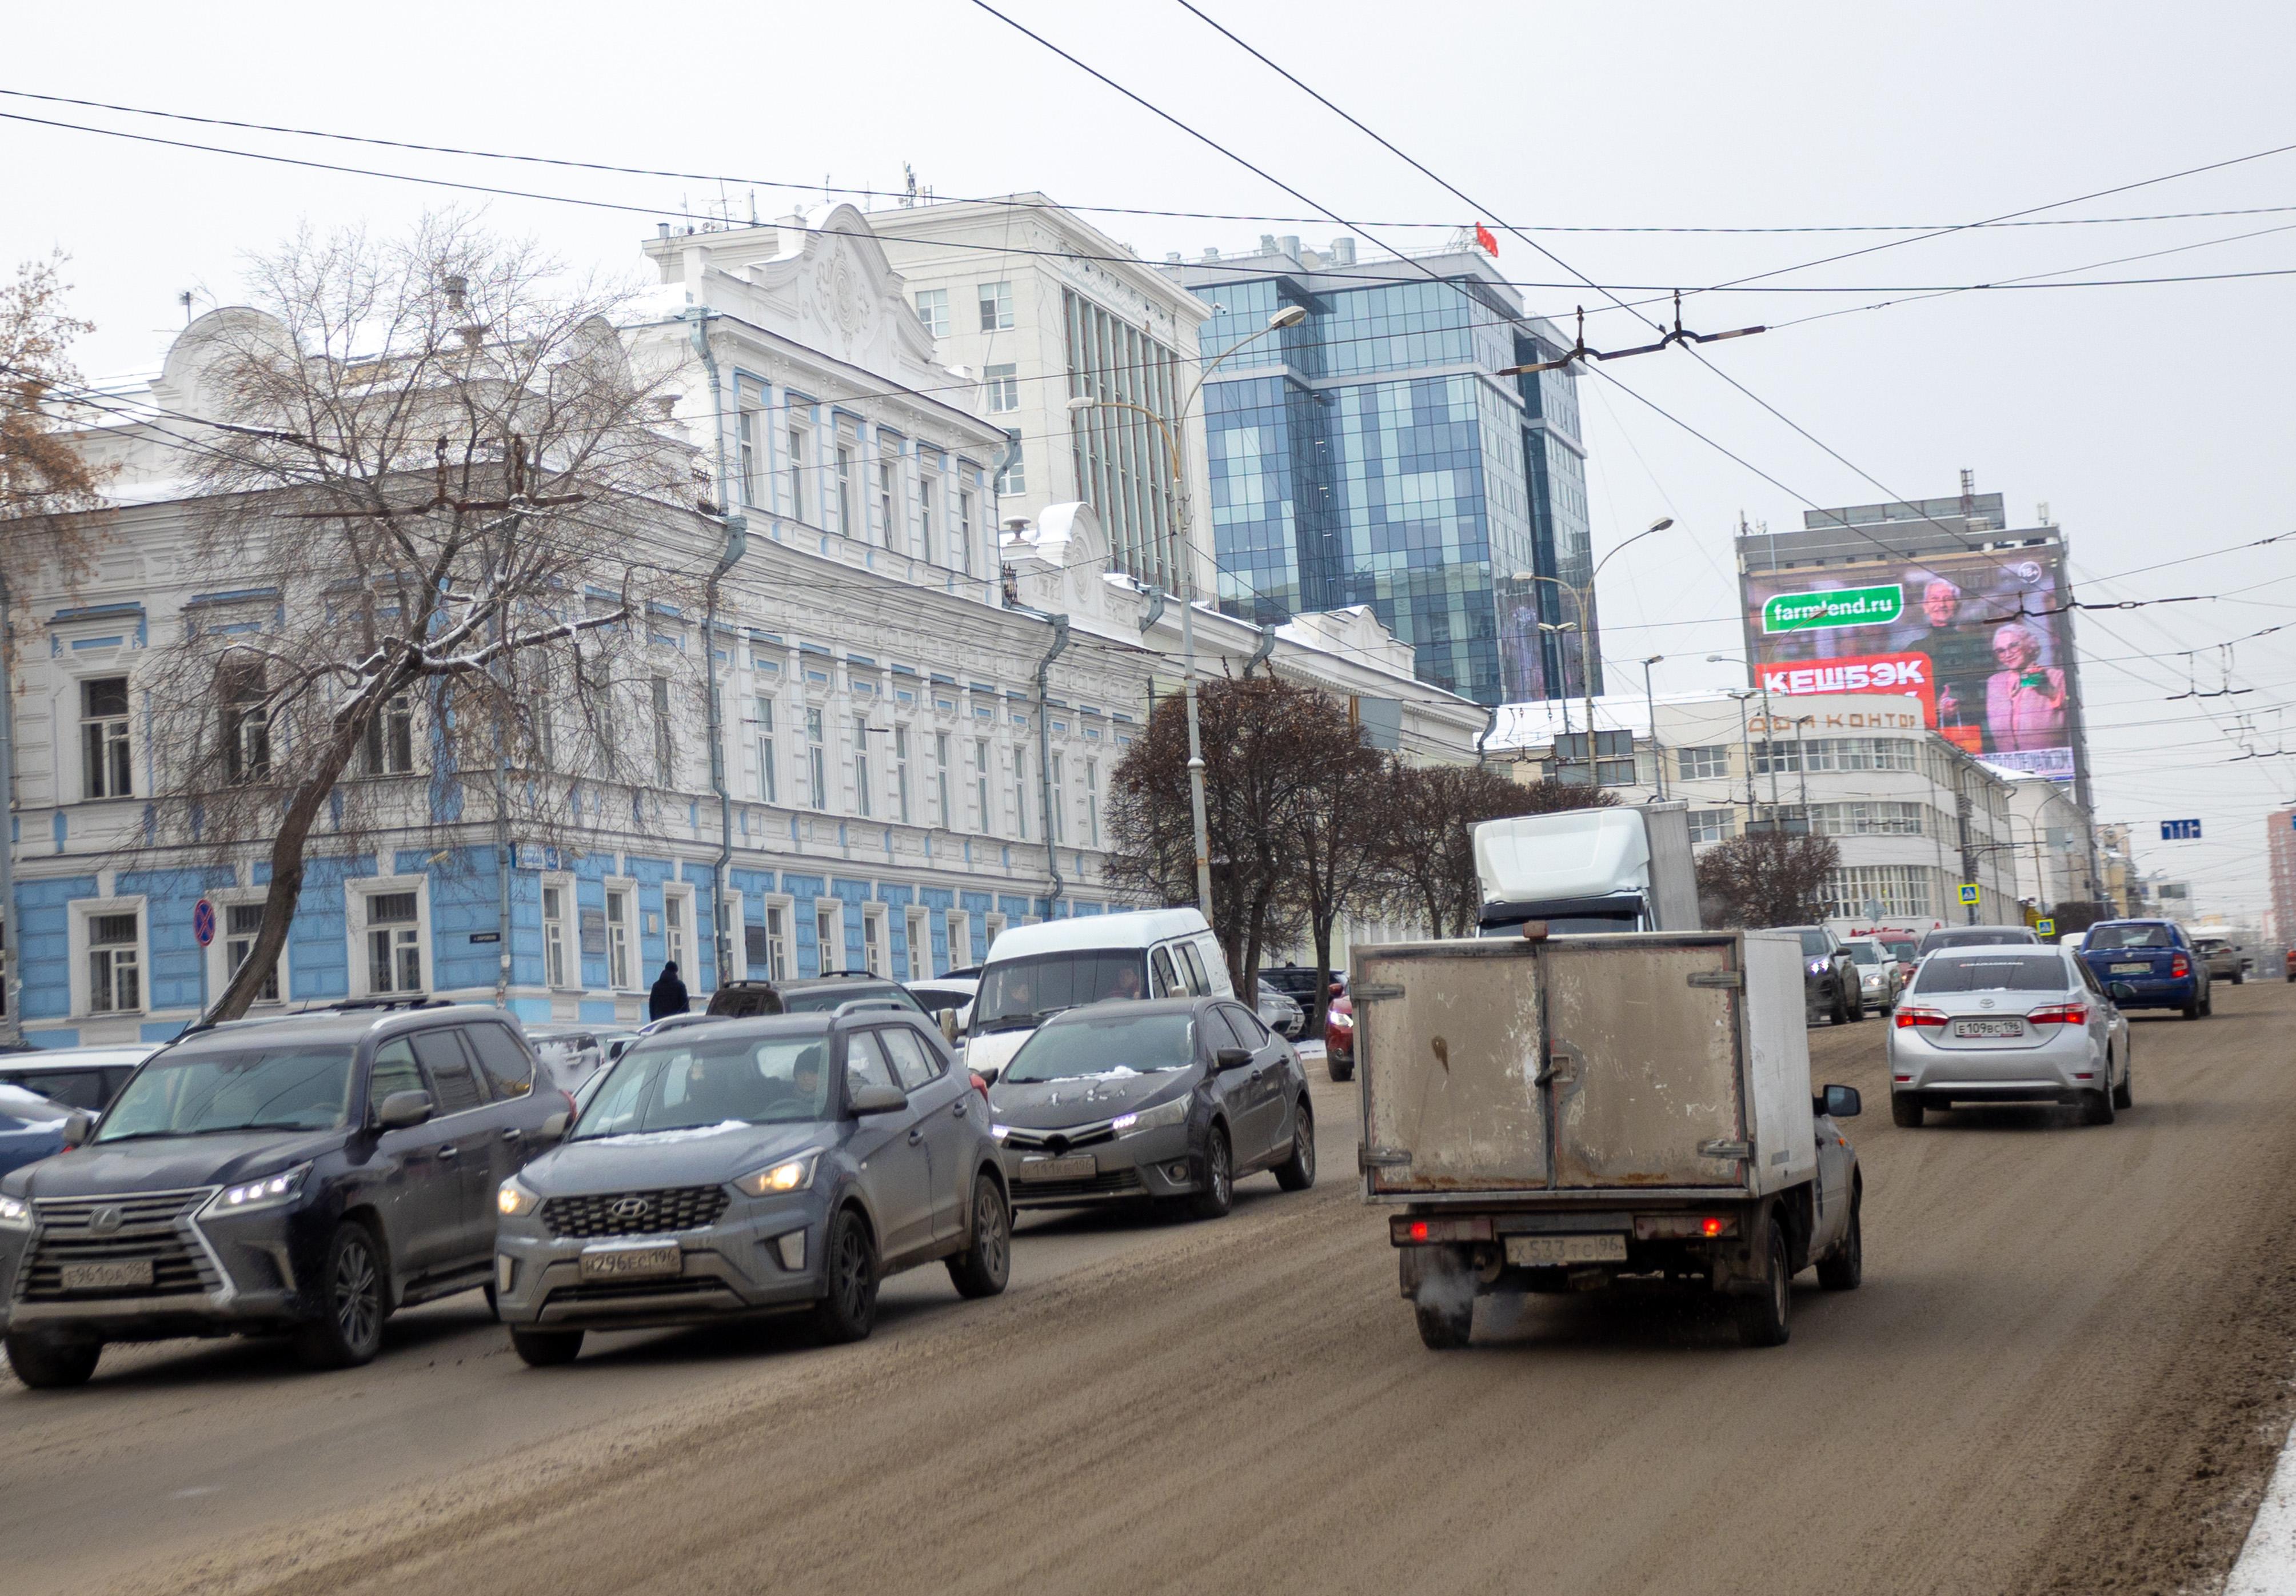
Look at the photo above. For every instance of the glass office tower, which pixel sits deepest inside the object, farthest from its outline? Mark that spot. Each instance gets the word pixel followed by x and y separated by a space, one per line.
pixel 1369 457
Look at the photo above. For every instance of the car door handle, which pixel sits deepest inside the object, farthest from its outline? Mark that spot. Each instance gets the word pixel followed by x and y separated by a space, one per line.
pixel 449 1150
pixel 958 1108
pixel 916 1136
pixel 514 1134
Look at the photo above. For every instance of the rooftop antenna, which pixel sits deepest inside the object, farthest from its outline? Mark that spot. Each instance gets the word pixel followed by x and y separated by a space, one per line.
pixel 1968 493
pixel 909 192
pixel 184 300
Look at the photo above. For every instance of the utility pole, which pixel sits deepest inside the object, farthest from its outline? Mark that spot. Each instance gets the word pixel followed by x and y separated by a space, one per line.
pixel 1649 712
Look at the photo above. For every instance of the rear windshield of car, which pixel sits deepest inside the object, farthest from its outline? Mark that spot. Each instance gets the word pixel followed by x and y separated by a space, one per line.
pixel 2129 936
pixel 194 1093
pixel 1815 945
pixel 1900 949
pixel 1112 1044
pixel 1994 973
pixel 1864 953
pixel 1976 936
pixel 1022 991
pixel 824 999
pixel 683 1079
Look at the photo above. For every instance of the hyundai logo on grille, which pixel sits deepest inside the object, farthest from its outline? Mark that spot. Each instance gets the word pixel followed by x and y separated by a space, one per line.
pixel 631 1208
pixel 104 1220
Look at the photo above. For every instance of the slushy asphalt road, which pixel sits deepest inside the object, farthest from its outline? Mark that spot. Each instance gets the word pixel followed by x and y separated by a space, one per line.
pixel 2067 1370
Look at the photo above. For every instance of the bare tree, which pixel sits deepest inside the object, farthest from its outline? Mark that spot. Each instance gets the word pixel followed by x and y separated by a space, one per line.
pixel 1341 841
pixel 1262 738
pixel 445 497
pixel 1432 851
pixel 44 479
pixel 1766 878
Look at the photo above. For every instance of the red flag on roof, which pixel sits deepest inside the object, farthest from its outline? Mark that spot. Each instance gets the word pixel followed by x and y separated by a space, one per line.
pixel 1490 245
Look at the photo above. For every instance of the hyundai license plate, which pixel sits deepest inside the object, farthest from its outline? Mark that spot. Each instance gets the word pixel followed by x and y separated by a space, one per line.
pixel 1988 1027
pixel 1082 1167
pixel 126 1275
pixel 2132 969
pixel 623 1263
pixel 1566 1249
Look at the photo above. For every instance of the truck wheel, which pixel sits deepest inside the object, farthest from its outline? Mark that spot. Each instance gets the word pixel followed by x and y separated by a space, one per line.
pixel 1905 1111
pixel 1344 1069
pixel 1298 1173
pixel 1218 1195
pixel 1443 1325
pixel 2097 1109
pixel 545 1349
pixel 354 1300
pixel 46 1365
pixel 1767 1319
pixel 982 1268
pixel 1842 1269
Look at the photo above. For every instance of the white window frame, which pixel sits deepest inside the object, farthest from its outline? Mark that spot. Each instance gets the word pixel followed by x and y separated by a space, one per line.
pixel 993 926
pixel 940 780
pixel 920 936
pixel 800 446
pixel 765 723
pixel 357 892
pixel 688 930
pixel 960 938
pixel 889 498
pixel 834 908
pixel 745 433
pixel 569 926
pixel 901 773
pixel 933 310
pixel 126 722
pixel 876 939
pixel 1001 384
pixel 85 910
pixel 994 300
pixel 217 955
pixel 781 946
pixel 817 757
pixel 982 802
pixel 863 804
pixel 928 488
pixel 631 950
pixel 1092 801
pixel 737 938
pixel 1059 801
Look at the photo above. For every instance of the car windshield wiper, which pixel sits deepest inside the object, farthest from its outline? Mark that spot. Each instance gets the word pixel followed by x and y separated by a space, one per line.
pixel 207 1130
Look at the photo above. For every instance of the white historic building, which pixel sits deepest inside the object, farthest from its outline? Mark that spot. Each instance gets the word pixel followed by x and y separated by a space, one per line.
pixel 893 767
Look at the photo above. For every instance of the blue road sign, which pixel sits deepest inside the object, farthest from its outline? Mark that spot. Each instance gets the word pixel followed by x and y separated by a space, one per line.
pixel 203 922
pixel 2180 831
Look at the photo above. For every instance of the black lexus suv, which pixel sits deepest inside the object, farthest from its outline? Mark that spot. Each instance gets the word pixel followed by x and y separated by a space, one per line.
pixel 307 1176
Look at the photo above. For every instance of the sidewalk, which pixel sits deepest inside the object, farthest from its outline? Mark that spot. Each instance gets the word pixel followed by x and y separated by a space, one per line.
pixel 2268 1561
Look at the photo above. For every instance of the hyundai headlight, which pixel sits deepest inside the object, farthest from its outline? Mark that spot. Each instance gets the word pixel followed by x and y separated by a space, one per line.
pixel 1174 1112
pixel 270 1192
pixel 515 1199
pixel 790 1174
pixel 999 1133
pixel 16 1214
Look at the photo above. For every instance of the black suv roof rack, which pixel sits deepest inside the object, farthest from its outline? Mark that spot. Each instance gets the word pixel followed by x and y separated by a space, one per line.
pixel 366 1004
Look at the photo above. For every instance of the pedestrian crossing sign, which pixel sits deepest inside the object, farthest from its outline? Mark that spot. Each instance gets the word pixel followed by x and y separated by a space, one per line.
pixel 1969 891
pixel 2044 927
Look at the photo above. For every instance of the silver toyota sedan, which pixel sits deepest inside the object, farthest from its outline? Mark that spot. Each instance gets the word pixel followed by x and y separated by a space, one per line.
pixel 2007 1024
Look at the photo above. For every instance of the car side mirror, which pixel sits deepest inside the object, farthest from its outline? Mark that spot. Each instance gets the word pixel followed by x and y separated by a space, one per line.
pixel 1839 1102
pixel 617 1048
pixel 555 1126
pixel 79 1126
pixel 2120 992
pixel 947 1018
pixel 878 1099
pixel 401 1109
pixel 988 1074
pixel 1233 1058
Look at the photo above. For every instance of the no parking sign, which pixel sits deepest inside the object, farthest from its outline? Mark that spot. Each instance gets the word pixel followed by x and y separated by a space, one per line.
pixel 203 922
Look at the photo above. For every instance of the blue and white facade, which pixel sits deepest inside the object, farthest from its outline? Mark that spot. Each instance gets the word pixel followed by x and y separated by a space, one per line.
pixel 885 739
pixel 1370 455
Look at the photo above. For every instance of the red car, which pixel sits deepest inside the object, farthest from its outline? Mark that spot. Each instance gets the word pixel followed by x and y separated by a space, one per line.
pixel 2290 958
pixel 1340 1037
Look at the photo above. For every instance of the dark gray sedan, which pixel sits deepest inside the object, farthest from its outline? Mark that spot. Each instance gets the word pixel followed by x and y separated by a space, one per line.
pixel 753 1167
pixel 1173 1099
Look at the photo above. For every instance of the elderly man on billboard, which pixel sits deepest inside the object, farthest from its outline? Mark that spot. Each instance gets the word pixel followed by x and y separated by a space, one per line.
pixel 2024 701
pixel 1956 652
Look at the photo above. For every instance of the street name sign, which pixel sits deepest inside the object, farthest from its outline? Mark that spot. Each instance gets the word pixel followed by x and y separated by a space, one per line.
pixel 1843 606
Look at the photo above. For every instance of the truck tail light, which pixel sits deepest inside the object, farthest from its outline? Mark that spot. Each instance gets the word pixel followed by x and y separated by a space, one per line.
pixel 1664 1227
pixel 2062 1014
pixel 1908 1017
pixel 2179 966
pixel 1436 1232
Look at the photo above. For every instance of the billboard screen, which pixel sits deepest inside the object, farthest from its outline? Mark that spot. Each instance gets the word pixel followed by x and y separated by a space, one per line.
pixel 1978 635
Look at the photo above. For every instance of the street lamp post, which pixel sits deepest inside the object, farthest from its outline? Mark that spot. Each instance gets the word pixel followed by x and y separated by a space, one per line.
pixel 1650 710
pixel 1552 630
pixel 1290 315
pixel 1582 595
pixel 1769 731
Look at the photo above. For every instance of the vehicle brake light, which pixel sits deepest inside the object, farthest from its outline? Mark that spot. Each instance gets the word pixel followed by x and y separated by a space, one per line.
pixel 1408 1232
pixel 2180 966
pixel 1419 1230
pixel 1909 1017
pixel 1709 1227
pixel 2063 1014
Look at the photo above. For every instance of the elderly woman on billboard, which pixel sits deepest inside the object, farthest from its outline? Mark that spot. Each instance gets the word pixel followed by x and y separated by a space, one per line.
pixel 2024 701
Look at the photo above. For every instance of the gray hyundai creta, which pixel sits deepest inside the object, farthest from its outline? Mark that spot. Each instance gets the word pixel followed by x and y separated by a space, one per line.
pixel 747 1167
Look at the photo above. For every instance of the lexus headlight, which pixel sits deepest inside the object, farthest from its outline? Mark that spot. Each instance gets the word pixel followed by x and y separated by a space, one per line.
pixel 1818 967
pixel 514 1200
pixel 790 1174
pixel 1174 1112
pixel 269 1192
pixel 16 1214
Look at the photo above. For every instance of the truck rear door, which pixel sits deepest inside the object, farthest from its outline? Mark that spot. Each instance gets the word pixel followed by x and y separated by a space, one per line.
pixel 1645 1074
pixel 1453 1102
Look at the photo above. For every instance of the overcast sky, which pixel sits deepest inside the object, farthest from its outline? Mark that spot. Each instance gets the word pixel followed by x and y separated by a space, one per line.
pixel 2152 420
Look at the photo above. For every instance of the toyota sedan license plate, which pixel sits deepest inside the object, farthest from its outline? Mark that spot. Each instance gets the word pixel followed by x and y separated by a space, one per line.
pixel 622 1262
pixel 1988 1027
pixel 1082 1167
pixel 124 1275
pixel 1566 1249
pixel 2132 969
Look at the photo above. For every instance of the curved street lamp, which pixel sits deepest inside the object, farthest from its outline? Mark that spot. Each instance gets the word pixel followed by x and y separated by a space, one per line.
pixel 1582 595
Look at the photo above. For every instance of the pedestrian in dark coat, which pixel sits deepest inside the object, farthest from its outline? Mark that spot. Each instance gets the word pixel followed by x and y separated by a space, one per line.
pixel 668 994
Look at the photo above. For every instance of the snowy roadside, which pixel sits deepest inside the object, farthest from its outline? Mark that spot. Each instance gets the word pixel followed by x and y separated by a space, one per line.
pixel 2267 1560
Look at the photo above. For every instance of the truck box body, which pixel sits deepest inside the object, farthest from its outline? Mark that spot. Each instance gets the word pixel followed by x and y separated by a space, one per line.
pixel 1664 1065
pixel 1619 868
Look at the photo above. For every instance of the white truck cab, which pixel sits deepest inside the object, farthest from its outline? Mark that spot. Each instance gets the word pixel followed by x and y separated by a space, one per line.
pixel 1034 972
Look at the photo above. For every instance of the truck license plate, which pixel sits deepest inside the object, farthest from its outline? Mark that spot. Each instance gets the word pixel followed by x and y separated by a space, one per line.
pixel 622 1262
pixel 125 1275
pixel 1988 1027
pixel 1083 1166
pixel 1566 1249
pixel 2132 969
